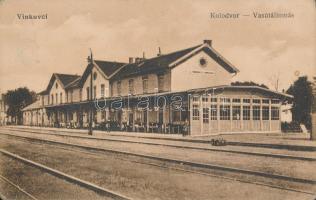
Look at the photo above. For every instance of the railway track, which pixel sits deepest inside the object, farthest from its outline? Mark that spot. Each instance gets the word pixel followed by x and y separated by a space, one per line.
pixel 61 175
pixel 183 165
pixel 280 156
pixel 17 190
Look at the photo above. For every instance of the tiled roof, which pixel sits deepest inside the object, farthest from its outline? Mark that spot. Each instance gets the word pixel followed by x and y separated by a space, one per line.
pixel 35 105
pixel 107 67
pixel 163 62
pixel 43 92
pixel 67 78
pixel 74 84
pixel 152 64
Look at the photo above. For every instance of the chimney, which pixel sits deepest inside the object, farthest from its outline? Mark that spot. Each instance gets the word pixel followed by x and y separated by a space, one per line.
pixel 209 42
pixel 159 52
pixel 130 60
pixel 90 58
pixel 137 60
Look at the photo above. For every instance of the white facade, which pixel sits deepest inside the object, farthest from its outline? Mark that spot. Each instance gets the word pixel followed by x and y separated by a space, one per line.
pixel 191 74
pixel 99 82
pixel 57 93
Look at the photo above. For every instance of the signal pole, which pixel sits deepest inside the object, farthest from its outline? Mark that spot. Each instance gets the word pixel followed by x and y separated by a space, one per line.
pixel 91 98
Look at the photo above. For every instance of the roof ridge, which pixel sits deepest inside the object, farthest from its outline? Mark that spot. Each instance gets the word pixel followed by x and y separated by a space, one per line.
pixel 181 50
pixel 110 61
pixel 66 74
pixel 72 82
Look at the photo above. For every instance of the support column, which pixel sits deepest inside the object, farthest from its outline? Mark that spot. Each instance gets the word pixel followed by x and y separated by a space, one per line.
pixel 201 113
pixel 170 119
pixel 231 113
pixel 270 114
pixel 147 121
pixel 261 121
pixel 191 113
pixel 134 116
pixel 241 114
pixel 251 114
pixel 209 103
pixel 218 114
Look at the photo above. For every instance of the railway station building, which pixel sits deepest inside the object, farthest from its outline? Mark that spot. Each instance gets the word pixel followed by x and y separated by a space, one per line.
pixel 185 92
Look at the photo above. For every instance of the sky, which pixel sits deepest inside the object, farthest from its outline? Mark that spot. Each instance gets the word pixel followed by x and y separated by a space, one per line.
pixel 264 50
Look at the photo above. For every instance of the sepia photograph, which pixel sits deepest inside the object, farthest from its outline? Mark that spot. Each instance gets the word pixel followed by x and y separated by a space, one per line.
pixel 158 100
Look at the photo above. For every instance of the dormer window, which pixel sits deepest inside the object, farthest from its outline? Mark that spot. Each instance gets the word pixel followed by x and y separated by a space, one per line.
pixel 95 76
pixel 56 85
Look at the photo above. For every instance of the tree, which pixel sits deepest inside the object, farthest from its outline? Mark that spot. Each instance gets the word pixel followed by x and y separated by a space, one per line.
pixel 275 81
pixel 301 89
pixel 248 83
pixel 16 100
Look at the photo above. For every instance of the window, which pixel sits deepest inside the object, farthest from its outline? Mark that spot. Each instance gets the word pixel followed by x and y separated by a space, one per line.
pixel 56 85
pixel 80 94
pixel 48 99
pixel 131 86
pixel 213 112
pixel 246 112
pixel 275 115
pixel 246 100
pixel 118 88
pixel 56 98
pixel 236 100
pixel 205 115
pixel 61 97
pixel 275 101
pixel 236 112
pixel 256 112
pixel 88 93
pixel 196 112
pixel 111 89
pixel 265 101
pixel 161 78
pixel 95 76
pixel 71 95
pixel 213 100
pixel 145 84
pixel 256 101
pixel 94 92
pixel 225 100
pixel 205 98
pixel 102 90
pixel 224 112
pixel 195 98
pixel 265 112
